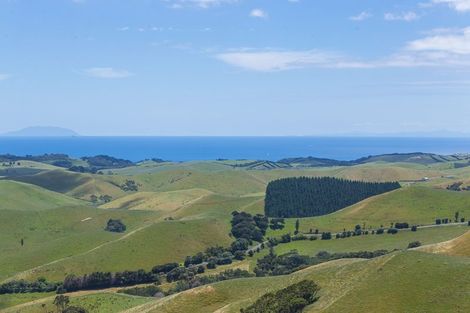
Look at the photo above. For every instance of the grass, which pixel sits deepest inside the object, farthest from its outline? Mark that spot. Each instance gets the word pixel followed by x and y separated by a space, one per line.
pixel 415 205
pixel 373 242
pixel 200 196
pixel 230 183
pixel 93 303
pixel 158 201
pixel 379 285
pixel 25 197
pixel 412 282
pixel 156 244
pixel 10 300
pixel 77 185
pixel 54 234
pixel 458 247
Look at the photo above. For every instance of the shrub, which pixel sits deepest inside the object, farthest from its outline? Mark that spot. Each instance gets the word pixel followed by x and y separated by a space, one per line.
pixel 414 228
pixel 392 231
pixel 288 300
pixel 116 226
pixel 414 244
pixel 401 225
pixel 165 268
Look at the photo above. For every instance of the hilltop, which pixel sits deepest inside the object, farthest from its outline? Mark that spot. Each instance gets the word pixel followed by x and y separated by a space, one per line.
pixel 53 221
pixel 414 158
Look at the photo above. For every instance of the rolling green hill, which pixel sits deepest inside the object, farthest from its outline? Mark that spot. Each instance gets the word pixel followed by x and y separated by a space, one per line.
pixel 56 234
pixel 415 205
pixel 150 245
pixel 401 282
pixel 183 208
pixel 459 246
pixel 167 202
pixel 77 185
pixel 25 197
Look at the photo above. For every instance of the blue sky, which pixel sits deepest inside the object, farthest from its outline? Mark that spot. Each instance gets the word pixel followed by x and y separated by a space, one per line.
pixel 235 67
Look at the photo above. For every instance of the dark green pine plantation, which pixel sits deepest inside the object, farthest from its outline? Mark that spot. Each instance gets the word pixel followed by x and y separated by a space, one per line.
pixel 306 196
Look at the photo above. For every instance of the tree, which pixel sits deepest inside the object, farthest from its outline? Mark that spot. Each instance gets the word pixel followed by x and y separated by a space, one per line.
pixel 105 198
pixel 61 302
pixel 276 223
pixel 288 300
pixel 93 198
pixel 297 225
pixel 22 242
pixel 116 226
pixel 438 221
pixel 414 244
pixel 314 196
pixel 414 228
pixel 456 216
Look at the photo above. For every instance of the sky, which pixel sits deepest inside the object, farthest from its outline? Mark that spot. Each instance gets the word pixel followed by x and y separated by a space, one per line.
pixel 236 67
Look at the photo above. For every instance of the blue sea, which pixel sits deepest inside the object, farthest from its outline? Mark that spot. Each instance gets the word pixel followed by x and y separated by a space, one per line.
pixel 211 148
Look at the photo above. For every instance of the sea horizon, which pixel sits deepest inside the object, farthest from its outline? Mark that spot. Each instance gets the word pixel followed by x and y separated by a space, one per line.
pixel 198 148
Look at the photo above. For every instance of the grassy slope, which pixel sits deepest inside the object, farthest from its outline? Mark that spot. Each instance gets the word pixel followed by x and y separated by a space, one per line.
pixel 157 244
pixel 158 201
pixel 207 220
pixel 458 246
pixel 232 183
pixel 10 300
pixel 412 282
pixel 77 185
pixel 374 242
pixel 93 303
pixel 20 196
pixel 415 205
pixel 57 233
pixel 439 284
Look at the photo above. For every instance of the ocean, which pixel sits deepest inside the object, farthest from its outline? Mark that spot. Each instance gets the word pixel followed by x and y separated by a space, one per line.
pixel 211 148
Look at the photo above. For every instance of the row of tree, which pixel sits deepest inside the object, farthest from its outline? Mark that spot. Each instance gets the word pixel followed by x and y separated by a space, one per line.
pixel 22 286
pixel 275 265
pixel 102 280
pixel 307 196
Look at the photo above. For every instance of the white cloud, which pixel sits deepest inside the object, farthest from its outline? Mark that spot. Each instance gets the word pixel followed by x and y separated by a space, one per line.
pixel 179 4
pixel 442 49
pixel 4 76
pixel 458 5
pixel 361 16
pixel 454 42
pixel 107 72
pixel 404 16
pixel 259 13
pixel 270 60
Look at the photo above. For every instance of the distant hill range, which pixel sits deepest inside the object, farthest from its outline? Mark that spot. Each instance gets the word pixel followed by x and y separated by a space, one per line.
pixel 416 157
pixel 42 131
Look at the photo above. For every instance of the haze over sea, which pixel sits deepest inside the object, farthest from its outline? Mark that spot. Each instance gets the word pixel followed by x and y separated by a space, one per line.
pixel 211 148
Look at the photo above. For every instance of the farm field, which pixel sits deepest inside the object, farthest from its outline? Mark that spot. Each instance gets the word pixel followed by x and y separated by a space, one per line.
pixel 52 224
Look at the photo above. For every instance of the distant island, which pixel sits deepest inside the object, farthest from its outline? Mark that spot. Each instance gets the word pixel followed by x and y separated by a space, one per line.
pixel 42 131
